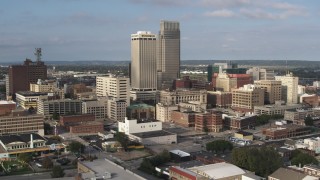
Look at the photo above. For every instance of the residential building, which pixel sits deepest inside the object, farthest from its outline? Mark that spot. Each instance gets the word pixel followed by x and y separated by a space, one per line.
pixel 168 53
pixel 98 107
pixel 272 90
pixel 175 97
pixel 28 99
pixel 113 86
pixel 116 109
pixel 219 99
pixel 21 76
pixel 140 111
pixel 289 88
pixel 143 61
pixel 163 112
pixel 6 107
pixel 245 98
pixel 61 107
pixel 209 122
pixel 183 118
pixel 258 73
pixel 22 122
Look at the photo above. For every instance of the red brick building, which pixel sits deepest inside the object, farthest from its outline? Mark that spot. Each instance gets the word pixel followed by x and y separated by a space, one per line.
pixel 74 119
pixel 239 123
pixel 219 99
pixel 178 173
pixel 87 127
pixel 6 107
pixel 20 76
pixel 285 131
pixel 210 121
pixel 185 119
pixel 183 83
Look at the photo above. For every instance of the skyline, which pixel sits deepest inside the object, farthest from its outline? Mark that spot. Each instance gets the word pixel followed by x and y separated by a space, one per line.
pixel 210 29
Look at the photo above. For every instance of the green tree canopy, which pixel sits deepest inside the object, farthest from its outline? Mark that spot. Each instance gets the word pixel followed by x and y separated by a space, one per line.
pixel 57 172
pixel 25 157
pixel 122 139
pixel 76 147
pixel 262 161
pixel 308 121
pixel 300 159
pixel 219 146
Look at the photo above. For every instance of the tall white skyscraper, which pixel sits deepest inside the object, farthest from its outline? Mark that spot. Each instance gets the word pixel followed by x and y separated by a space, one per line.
pixel 143 61
pixel 289 85
pixel 168 53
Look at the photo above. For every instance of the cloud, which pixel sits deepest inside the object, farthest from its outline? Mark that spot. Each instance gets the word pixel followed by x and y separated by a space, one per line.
pixel 220 13
pixel 263 14
pixel 164 3
pixel 256 9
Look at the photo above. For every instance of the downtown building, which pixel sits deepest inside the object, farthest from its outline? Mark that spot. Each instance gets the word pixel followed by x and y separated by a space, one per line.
pixel 114 87
pixel 143 70
pixel 272 90
pixel 20 77
pixel 289 88
pixel 168 54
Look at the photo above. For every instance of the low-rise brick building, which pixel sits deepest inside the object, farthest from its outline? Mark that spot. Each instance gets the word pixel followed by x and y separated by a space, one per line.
pixel 87 127
pixel 210 121
pixel 239 123
pixel 285 131
pixel 185 119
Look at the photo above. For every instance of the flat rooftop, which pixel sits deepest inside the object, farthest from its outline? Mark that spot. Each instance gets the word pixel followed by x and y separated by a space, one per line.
pixel 152 134
pixel 101 166
pixel 7 102
pixel 31 93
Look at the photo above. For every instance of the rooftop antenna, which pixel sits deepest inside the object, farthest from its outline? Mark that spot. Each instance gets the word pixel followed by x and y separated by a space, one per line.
pixel 38 54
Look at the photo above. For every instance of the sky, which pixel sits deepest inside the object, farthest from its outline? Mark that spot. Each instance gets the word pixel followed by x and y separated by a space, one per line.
pixel 69 30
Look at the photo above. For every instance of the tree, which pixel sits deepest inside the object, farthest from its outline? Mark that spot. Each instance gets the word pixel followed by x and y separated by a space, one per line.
pixel 122 139
pixel 308 121
pixel 55 116
pixel 262 161
pixel 47 163
pixel 301 159
pixel 57 172
pixel 219 146
pixel 76 147
pixel 47 128
pixel 25 157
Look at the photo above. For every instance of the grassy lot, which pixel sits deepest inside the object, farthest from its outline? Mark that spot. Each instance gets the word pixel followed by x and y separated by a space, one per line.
pixel 15 167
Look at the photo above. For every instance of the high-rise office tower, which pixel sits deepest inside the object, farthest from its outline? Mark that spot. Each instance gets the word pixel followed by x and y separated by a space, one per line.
pixel 113 86
pixel 168 53
pixel 20 76
pixel 289 88
pixel 143 61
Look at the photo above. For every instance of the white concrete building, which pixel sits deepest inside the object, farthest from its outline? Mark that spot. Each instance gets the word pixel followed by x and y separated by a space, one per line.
pixel 61 107
pixel 134 126
pixel 313 144
pixel 163 112
pixel 195 106
pixel 27 99
pixel 289 88
pixel 113 86
pixel 261 73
